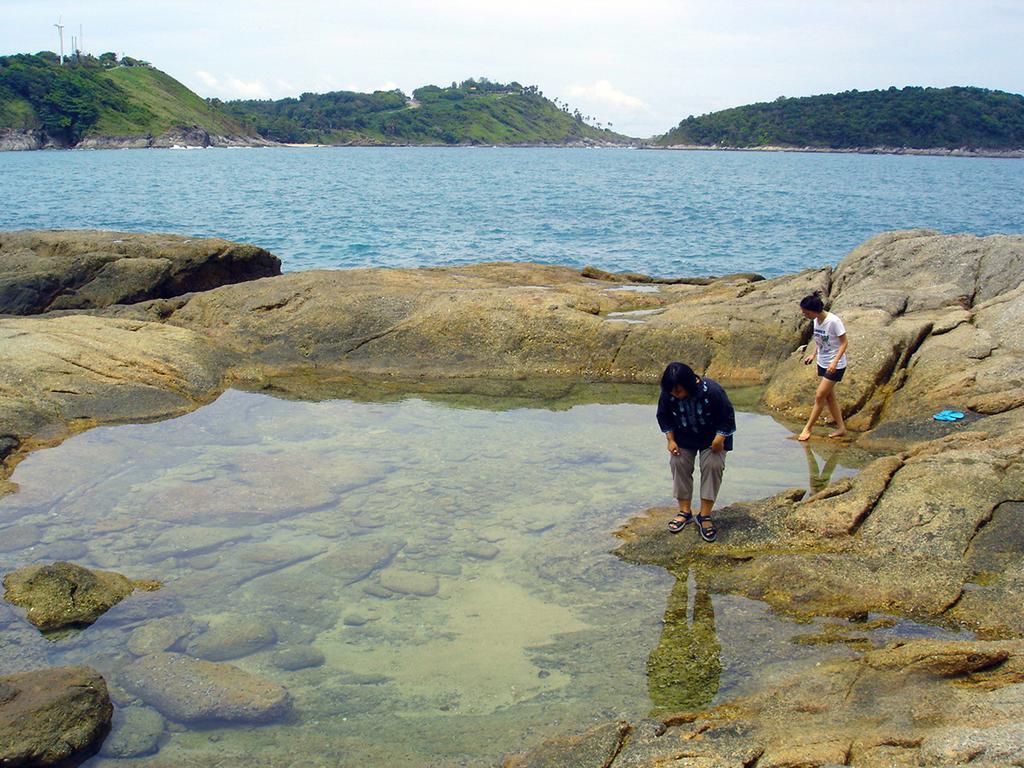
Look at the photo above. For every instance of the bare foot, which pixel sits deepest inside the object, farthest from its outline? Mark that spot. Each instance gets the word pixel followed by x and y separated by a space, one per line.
pixel 838 433
pixel 804 436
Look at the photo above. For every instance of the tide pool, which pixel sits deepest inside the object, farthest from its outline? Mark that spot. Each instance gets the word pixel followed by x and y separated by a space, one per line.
pixel 433 585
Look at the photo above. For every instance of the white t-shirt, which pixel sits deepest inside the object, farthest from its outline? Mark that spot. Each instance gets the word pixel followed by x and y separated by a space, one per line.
pixel 826 339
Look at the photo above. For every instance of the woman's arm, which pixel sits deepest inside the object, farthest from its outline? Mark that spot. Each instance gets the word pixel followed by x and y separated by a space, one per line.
pixel 666 423
pixel 725 420
pixel 809 351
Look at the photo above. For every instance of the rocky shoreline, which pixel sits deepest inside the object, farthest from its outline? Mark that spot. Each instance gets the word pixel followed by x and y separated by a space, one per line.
pixel 936 151
pixel 932 529
pixel 16 140
pixel 27 140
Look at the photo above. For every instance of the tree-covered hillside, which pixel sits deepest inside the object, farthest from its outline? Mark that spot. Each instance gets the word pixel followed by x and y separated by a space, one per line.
pixel 90 96
pixel 912 117
pixel 471 112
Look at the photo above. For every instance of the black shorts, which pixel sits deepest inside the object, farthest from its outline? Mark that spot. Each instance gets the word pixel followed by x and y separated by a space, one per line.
pixel 836 377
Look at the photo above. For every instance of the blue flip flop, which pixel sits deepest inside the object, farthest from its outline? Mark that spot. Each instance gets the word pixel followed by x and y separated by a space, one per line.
pixel 948 416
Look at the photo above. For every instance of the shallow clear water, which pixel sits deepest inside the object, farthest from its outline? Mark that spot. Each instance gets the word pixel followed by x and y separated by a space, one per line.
pixel 664 213
pixel 316 518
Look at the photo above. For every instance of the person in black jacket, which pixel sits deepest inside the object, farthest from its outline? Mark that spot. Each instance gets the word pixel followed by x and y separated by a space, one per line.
pixel 696 417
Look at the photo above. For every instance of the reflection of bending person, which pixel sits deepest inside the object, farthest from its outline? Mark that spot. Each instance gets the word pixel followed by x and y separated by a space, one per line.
pixel 697 418
pixel 684 670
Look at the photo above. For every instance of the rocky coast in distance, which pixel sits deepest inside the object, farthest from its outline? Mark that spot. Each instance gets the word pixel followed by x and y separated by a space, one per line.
pixel 103 328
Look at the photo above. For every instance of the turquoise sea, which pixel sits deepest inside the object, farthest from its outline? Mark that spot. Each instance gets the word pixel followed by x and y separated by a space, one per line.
pixel 666 213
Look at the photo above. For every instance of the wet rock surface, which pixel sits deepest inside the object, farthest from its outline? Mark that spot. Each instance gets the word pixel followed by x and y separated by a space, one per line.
pixel 64 594
pixel 53 716
pixel 194 691
pixel 917 703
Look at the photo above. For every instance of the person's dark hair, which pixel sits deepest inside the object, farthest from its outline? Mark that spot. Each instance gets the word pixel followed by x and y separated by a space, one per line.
pixel 678 375
pixel 812 302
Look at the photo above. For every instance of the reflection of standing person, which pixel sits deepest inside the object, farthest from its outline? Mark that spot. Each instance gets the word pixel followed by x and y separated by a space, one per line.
pixel 830 340
pixel 820 476
pixel 696 417
pixel 683 672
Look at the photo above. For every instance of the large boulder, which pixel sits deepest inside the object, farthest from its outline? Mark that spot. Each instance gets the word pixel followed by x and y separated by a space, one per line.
pixel 64 594
pixel 192 691
pixel 503 321
pixel 52 716
pixel 46 270
pixel 931 322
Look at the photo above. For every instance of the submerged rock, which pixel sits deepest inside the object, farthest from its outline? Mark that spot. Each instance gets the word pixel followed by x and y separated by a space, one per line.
pixel 51 716
pixel 18 537
pixel 230 638
pixel 160 634
pixel 481 550
pixel 409 582
pixel 136 732
pixel 354 562
pixel 298 657
pixel 65 595
pixel 192 691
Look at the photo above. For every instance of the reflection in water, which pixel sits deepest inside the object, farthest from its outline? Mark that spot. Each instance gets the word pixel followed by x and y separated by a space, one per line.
pixel 821 470
pixel 683 671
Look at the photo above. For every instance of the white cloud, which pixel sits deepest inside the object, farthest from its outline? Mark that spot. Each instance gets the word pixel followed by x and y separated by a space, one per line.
pixel 605 94
pixel 231 87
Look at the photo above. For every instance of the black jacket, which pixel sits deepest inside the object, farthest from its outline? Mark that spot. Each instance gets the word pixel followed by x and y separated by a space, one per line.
pixel 695 420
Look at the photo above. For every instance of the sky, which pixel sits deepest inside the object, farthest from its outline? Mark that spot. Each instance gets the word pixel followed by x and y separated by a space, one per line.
pixel 641 67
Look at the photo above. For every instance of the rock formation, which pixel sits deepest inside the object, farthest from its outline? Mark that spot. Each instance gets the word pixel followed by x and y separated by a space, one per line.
pixel 64 594
pixel 42 271
pixel 53 716
pixel 170 682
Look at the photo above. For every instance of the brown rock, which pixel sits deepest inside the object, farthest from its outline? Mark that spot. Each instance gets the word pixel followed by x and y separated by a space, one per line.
pixel 837 511
pixel 945 659
pixel 51 716
pixel 189 690
pixel 594 749
pixel 230 638
pixel 64 594
pixel 46 270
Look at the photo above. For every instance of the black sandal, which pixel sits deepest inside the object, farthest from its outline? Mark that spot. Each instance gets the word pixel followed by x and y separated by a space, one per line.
pixel 708 534
pixel 676 525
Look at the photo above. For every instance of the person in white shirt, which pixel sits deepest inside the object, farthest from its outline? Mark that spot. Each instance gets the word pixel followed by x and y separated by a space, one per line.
pixel 830 340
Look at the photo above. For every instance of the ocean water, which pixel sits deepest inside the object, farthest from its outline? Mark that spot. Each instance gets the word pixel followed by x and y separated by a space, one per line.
pixel 451 567
pixel 663 213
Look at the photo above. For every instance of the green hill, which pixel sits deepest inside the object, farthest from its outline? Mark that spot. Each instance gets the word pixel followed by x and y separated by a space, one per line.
pixel 100 97
pixel 912 117
pixel 473 112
